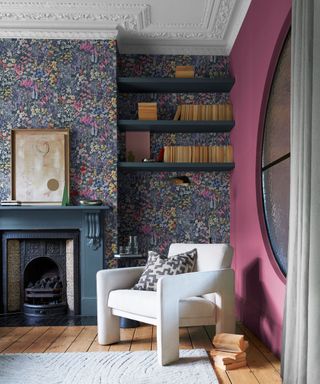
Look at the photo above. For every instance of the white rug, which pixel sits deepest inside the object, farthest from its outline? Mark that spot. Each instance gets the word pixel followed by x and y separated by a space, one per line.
pixel 105 368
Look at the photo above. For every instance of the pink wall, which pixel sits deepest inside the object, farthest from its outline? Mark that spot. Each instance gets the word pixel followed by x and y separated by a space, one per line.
pixel 260 287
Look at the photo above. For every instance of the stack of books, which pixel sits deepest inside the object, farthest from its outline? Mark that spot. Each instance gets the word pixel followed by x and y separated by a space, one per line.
pixel 185 71
pixel 229 352
pixel 198 154
pixel 204 112
pixel 147 111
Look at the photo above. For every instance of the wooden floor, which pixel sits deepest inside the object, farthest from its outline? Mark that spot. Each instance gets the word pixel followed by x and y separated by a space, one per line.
pixel 263 366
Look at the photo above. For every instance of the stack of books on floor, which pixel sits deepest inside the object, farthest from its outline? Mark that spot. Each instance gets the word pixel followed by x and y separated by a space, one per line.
pixel 198 154
pixel 229 352
pixel 147 111
pixel 204 112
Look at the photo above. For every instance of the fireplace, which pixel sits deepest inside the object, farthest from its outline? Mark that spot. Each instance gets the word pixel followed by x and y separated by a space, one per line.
pixel 73 239
pixel 44 265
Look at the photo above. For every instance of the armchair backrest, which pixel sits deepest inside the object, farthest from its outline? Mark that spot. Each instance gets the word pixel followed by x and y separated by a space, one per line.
pixel 210 256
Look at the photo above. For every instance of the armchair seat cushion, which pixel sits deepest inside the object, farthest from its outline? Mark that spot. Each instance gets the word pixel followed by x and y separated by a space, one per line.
pixel 144 303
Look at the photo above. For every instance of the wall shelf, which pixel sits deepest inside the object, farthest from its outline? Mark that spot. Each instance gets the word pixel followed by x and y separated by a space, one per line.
pixel 173 126
pixel 154 85
pixel 173 167
pixel 54 207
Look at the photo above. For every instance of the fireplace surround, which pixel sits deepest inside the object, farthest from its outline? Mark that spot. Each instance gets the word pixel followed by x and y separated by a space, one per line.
pixel 81 226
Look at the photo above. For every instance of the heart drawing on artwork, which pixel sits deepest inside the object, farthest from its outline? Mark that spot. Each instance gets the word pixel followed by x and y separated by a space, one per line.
pixel 43 147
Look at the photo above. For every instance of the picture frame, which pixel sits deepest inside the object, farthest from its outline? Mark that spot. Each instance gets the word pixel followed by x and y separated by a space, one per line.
pixel 40 165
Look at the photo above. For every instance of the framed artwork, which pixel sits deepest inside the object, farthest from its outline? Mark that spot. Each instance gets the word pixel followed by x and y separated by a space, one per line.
pixel 39 165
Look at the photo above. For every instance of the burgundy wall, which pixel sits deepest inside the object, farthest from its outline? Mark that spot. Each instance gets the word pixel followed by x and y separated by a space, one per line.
pixel 260 288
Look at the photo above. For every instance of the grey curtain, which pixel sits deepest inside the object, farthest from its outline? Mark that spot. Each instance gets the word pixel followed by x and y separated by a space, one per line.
pixel 301 357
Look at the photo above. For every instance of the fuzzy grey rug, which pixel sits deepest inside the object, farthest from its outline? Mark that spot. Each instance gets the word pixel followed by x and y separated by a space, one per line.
pixel 105 368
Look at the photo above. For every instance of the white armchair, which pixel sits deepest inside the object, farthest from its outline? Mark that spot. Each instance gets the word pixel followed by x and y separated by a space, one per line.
pixel 203 297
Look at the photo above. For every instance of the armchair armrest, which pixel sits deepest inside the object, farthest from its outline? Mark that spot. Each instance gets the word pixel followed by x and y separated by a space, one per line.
pixel 171 289
pixel 177 287
pixel 107 281
pixel 118 278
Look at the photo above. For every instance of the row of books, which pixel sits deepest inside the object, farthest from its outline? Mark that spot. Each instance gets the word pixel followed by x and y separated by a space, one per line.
pixel 204 112
pixel 149 111
pixel 229 352
pixel 198 154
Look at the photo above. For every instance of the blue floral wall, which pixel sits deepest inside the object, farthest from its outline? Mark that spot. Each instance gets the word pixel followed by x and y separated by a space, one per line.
pixel 149 205
pixel 72 84
pixel 65 84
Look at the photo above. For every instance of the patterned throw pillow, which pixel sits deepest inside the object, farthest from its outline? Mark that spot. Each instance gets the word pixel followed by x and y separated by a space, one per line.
pixel 158 266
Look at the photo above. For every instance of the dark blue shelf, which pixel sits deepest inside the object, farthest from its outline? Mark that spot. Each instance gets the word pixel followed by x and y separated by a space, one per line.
pixel 163 85
pixel 173 167
pixel 173 126
pixel 54 207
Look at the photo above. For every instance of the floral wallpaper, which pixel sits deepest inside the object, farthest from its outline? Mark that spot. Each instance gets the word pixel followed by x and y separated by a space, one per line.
pixel 65 84
pixel 72 84
pixel 150 206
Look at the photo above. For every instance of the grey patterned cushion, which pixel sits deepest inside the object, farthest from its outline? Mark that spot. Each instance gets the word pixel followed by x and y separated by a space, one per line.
pixel 158 266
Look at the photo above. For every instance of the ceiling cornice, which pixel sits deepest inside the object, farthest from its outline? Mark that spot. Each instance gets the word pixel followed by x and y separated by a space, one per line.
pixel 193 26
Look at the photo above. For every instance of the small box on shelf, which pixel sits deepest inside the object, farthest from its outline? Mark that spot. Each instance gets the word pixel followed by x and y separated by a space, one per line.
pixel 147 111
pixel 185 71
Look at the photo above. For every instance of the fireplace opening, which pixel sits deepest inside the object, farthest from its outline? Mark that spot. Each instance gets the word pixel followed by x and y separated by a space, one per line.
pixel 44 288
pixel 40 273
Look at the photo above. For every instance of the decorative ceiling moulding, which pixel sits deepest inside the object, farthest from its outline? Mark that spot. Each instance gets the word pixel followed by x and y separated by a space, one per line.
pixel 190 27
pixel 176 49
pixel 71 20
pixel 57 35
pixel 193 27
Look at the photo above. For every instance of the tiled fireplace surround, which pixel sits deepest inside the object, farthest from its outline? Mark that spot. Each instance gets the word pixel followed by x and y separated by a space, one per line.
pixel 79 227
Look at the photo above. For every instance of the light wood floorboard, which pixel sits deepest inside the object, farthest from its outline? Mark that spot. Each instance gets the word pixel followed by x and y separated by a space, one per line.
pixel 26 340
pixel 126 336
pixel 13 337
pixel 63 342
pixel 44 341
pixel 263 367
pixel 84 340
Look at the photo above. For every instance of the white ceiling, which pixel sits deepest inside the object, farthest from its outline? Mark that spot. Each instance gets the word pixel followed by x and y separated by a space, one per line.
pixel 206 27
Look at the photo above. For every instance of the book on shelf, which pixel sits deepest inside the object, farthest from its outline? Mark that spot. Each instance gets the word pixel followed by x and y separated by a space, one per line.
pixel 178 113
pixel 214 112
pixel 228 112
pixel 184 71
pixel 147 111
pixel 198 112
pixel 228 154
pixel 183 112
pixel 220 154
pixel 221 113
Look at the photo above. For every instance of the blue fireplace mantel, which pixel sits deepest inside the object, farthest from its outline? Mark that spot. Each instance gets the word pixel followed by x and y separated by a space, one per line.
pixel 89 221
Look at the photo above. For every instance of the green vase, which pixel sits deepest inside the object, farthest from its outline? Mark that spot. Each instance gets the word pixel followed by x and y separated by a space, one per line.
pixel 65 197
